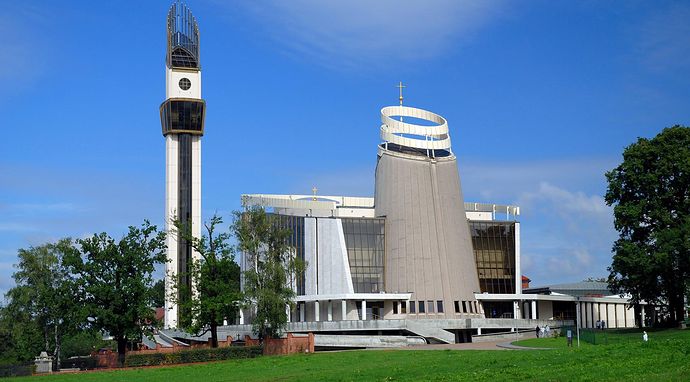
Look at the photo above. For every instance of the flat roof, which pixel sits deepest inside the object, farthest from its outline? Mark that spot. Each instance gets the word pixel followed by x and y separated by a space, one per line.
pixel 333 202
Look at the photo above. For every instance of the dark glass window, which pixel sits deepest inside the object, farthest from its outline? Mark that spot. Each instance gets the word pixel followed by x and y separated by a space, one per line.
pixel 412 307
pixel 457 306
pixel 395 307
pixel 295 224
pixel 494 251
pixel 365 250
pixel 421 306
pixel 403 307
pixel 430 307
pixel 183 116
pixel 464 306
pixel 439 306
pixel 185 83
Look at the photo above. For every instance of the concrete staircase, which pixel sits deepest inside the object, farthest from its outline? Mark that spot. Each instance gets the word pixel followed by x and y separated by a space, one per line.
pixel 430 332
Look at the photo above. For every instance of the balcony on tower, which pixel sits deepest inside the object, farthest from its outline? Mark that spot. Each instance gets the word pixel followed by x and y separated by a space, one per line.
pixel 183 116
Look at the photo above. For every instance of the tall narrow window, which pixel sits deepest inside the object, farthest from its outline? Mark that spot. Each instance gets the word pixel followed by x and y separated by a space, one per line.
pixel 421 306
pixel 457 306
pixel 395 307
pixel 412 307
pixel 439 306
pixel 430 306
pixel 470 304
pixel 464 307
pixel 403 307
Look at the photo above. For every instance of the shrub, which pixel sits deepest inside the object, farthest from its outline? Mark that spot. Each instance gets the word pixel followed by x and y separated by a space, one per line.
pixel 192 355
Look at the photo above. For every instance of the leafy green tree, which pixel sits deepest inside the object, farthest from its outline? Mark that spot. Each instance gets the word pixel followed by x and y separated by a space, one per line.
pixel 215 276
pixel 116 280
pixel 43 300
pixel 158 296
pixel 273 269
pixel 650 192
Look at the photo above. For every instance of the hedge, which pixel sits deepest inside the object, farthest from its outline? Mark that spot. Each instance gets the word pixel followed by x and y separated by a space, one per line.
pixel 192 355
pixel 16 370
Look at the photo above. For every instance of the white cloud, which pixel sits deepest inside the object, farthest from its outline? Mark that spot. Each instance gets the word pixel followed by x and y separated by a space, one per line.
pixel 359 32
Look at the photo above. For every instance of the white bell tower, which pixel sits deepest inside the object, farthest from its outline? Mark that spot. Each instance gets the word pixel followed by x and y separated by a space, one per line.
pixel 182 119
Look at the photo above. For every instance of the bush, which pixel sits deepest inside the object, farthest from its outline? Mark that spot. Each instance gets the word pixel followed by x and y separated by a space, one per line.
pixel 192 355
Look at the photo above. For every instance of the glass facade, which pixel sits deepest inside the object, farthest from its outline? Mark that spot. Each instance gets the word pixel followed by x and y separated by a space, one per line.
pixel 494 251
pixel 295 224
pixel 183 116
pixel 364 239
pixel 183 38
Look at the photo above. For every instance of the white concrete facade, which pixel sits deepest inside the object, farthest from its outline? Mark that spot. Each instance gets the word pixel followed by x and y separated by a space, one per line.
pixel 182 144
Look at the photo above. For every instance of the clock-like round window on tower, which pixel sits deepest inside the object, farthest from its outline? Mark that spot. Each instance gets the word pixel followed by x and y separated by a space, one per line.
pixel 185 84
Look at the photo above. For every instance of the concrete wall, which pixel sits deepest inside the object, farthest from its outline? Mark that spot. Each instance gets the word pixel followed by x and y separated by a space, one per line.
pixel 428 244
pixel 545 309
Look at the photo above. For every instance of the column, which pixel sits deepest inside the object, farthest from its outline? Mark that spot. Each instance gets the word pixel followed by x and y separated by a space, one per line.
pixel 364 310
pixel 330 310
pixel 516 310
pixel 302 308
pixel 343 307
pixel 317 311
pixel 533 311
pixel 287 312
pixel 642 311
pixel 241 317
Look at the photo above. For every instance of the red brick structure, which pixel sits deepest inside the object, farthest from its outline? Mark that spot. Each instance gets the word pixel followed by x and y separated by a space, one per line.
pixel 291 344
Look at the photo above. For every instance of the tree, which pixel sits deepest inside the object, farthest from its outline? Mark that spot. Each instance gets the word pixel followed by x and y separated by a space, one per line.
pixel 158 297
pixel 116 281
pixel 650 192
pixel 215 279
pixel 43 300
pixel 273 269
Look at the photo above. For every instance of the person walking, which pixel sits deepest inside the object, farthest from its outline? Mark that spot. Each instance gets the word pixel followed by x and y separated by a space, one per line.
pixel 537 331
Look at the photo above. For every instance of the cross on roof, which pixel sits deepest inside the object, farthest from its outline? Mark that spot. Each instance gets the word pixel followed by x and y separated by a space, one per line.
pixel 401 86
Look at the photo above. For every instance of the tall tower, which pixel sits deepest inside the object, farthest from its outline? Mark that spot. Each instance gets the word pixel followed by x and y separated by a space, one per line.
pixel 428 243
pixel 182 120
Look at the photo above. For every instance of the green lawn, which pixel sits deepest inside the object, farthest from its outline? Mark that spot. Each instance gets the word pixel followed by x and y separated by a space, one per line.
pixel 665 358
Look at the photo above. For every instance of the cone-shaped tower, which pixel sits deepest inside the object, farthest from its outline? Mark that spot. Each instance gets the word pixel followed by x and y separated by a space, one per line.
pixel 429 247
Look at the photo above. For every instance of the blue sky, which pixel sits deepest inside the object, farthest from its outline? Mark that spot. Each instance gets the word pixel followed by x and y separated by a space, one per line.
pixel 541 98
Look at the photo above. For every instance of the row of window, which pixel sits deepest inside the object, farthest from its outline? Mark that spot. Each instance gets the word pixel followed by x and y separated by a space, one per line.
pixel 421 307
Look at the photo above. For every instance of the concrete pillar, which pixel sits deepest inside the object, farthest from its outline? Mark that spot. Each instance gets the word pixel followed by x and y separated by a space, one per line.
pixel 317 311
pixel 642 311
pixel 241 317
pixel 364 310
pixel 302 308
pixel 330 310
pixel 479 331
pixel 533 311
pixel 516 309
pixel 287 311
pixel 343 307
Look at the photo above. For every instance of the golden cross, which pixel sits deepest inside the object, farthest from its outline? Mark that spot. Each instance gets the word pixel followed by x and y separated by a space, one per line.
pixel 313 190
pixel 401 86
